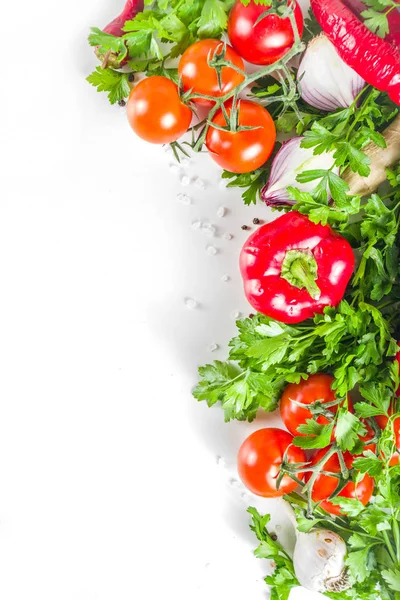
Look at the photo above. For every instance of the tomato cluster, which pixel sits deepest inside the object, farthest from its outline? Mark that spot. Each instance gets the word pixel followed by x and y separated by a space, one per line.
pixel 263 453
pixel 239 140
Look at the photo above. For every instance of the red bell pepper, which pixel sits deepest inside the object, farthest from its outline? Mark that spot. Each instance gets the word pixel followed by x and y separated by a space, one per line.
pixel 293 268
pixel 374 59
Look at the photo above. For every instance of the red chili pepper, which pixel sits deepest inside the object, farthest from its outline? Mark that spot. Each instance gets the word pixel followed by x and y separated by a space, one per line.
pixel 393 17
pixel 131 9
pixel 394 28
pixel 293 268
pixel 374 59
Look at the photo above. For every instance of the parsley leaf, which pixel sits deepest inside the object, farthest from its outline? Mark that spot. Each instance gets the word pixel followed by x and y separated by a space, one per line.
pixel 354 343
pixel 375 21
pixel 369 463
pixel 348 429
pixel 113 82
pixel 313 435
pixel 283 579
pixel 392 577
pixel 359 564
pixel 253 182
pixel 213 19
pixel 241 393
pixel 107 42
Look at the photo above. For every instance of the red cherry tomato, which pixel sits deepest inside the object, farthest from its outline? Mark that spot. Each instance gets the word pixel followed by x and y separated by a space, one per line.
pixel 368 437
pixel 325 485
pixel 382 421
pixel 316 387
pixel 260 458
pixel 198 76
pixel 246 150
pixel 265 42
pixel 155 111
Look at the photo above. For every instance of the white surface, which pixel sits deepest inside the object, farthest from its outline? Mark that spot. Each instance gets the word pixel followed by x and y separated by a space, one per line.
pixel 109 482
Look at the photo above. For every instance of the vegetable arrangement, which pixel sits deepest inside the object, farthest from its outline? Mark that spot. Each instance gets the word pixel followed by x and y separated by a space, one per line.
pixel 323 277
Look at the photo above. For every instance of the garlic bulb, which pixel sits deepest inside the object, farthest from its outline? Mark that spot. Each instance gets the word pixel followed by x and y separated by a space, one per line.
pixel 325 81
pixel 289 162
pixel 319 561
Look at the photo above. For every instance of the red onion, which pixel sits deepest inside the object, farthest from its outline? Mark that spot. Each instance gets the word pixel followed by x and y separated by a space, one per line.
pixel 290 161
pixel 325 81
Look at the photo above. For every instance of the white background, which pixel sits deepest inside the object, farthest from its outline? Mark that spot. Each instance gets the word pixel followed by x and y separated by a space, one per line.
pixel 114 482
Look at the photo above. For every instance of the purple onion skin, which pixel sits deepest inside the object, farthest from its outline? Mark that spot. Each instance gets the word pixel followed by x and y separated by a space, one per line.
pixel 279 199
pixel 275 201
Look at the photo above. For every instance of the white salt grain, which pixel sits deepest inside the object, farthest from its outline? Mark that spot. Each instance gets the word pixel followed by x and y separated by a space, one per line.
pixel 225 278
pixel 221 212
pixel 191 303
pixel 196 224
pixel 185 180
pixel 213 347
pixel 208 229
pixel 199 183
pixel 228 236
pixel 184 199
pixel 212 250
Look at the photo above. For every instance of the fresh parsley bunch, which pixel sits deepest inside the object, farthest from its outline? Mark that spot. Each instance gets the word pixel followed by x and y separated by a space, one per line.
pixel 163 30
pixel 354 343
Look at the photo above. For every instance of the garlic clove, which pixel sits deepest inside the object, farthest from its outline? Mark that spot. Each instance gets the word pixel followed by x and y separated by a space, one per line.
pixel 319 561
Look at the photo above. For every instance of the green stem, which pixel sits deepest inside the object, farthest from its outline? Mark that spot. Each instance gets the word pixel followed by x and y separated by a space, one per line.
pixel 343 468
pixel 300 269
pixel 310 484
pixel 297 47
pixel 294 27
pixel 389 546
pixel 396 535
pixel 390 9
pixel 301 272
pixel 360 113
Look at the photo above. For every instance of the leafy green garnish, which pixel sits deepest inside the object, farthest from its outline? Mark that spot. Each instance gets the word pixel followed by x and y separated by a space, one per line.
pixel 111 81
pixel 283 578
pixel 375 17
pixel 355 344
pixel 175 24
pixel 253 182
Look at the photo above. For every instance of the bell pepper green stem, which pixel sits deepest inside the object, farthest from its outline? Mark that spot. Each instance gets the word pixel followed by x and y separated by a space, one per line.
pixel 300 269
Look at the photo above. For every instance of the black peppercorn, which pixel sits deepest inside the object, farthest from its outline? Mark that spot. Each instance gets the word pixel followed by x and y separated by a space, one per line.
pixel 131 77
pixel 244 227
pixel 122 103
pixel 256 221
